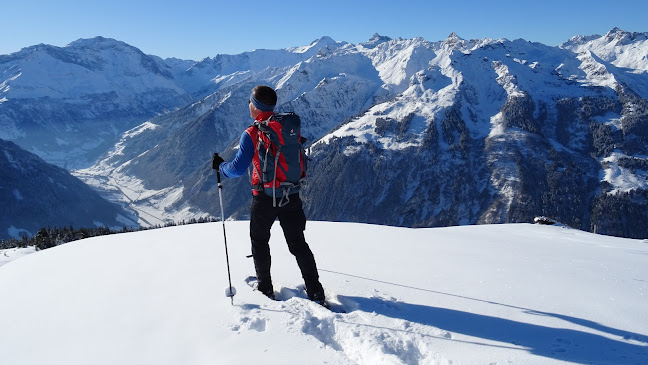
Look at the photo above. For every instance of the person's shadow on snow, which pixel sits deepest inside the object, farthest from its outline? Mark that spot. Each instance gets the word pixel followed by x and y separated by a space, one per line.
pixel 556 343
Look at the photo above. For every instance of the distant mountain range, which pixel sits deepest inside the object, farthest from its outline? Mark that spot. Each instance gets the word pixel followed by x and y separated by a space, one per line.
pixel 404 131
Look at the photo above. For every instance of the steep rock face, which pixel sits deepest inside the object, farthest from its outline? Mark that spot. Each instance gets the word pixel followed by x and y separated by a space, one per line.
pixel 35 194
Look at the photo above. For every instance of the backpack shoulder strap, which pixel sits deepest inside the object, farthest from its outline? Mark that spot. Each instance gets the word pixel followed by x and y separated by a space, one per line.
pixel 253 131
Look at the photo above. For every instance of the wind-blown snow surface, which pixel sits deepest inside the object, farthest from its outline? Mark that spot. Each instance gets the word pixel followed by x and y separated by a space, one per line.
pixel 520 294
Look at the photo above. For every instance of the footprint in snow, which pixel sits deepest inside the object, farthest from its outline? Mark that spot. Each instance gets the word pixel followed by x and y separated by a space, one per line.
pixel 254 321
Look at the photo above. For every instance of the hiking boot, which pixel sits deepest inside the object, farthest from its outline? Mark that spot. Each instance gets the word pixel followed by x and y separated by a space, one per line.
pixel 314 290
pixel 323 303
pixel 264 287
pixel 320 299
pixel 270 294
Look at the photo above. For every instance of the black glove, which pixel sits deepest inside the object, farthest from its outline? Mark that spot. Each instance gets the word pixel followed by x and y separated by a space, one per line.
pixel 216 161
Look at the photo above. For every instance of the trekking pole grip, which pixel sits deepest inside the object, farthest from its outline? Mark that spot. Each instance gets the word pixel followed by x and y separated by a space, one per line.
pixel 218 175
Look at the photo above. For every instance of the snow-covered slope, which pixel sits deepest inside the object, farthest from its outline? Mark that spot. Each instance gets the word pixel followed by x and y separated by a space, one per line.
pixel 621 48
pixel 67 103
pixel 619 56
pixel 505 294
pixel 211 74
pixel 11 254
pixel 35 194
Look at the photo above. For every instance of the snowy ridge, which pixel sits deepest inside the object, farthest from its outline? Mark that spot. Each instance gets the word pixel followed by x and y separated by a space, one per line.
pixel 436 74
pixel 621 48
pixel 316 46
pixel 515 294
pixel 67 104
pixel 623 51
pixel 79 68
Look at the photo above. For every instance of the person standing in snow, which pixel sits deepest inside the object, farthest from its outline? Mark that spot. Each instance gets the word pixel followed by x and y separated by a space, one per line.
pixel 265 209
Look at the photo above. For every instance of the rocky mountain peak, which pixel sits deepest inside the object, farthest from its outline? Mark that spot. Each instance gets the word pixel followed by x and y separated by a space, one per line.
pixel 99 43
pixel 375 40
pixel 622 37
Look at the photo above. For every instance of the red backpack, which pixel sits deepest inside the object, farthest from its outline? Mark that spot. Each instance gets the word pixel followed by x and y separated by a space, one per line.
pixel 282 158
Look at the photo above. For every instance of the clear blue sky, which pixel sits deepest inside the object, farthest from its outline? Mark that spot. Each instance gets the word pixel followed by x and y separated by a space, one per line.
pixel 194 29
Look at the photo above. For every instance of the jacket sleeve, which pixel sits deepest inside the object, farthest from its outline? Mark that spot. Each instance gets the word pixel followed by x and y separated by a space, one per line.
pixel 242 160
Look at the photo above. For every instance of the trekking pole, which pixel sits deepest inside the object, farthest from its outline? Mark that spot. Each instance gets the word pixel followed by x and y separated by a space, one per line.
pixel 231 291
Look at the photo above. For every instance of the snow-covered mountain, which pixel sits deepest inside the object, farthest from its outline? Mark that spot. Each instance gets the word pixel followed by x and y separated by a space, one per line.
pixel 490 294
pixel 411 132
pixel 35 194
pixel 618 47
pixel 68 104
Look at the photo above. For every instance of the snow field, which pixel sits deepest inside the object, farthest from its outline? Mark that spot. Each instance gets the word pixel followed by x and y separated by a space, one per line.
pixel 516 293
pixel 8 255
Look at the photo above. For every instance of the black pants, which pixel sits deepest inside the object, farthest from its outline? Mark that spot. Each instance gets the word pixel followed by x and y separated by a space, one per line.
pixel 293 222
